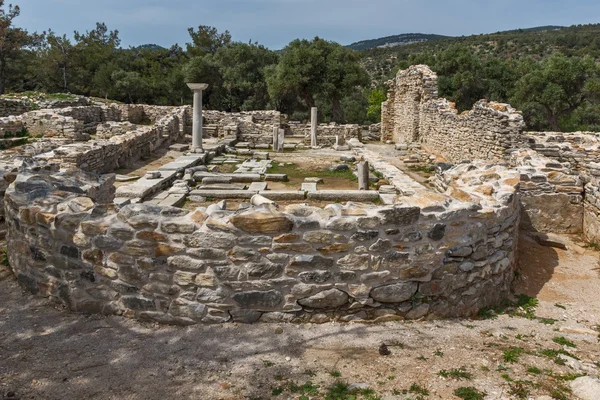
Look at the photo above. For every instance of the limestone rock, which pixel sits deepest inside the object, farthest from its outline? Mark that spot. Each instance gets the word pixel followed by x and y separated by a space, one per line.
pixel 394 293
pixel 326 299
pixel 262 221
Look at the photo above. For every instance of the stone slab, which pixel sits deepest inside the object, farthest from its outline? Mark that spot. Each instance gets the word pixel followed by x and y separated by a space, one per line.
pixel 181 163
pixel 388 199
pixel 173 200
pixel 258 186
pixel 280 195
pixel 216 179
pixel 179 147
pixel 309 187
pixel 244 178
pixel 143 187
pixel 223 194
pixel 344 195
pixel 223 186
pixel 276 177
pixel 126 178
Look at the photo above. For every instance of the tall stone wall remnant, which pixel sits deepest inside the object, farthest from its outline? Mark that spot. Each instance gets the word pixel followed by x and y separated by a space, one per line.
pixel 414 114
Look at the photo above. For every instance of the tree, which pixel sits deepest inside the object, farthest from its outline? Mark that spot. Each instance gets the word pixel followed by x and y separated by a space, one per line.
pixel 59 51
pixel 343 75
pixel 203 69
pixel 130 85
pixel 91 51
pixel 555 87
pixel 300 71
pixel 242 67
pixel 206 40
pixel 12 40
pixel 308 69
pixel 375 99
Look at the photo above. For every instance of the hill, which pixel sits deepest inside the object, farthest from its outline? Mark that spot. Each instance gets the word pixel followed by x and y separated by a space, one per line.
pixel 538 42
pixel 393 41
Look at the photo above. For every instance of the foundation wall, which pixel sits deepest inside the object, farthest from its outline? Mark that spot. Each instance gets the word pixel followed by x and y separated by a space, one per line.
pixel 302 263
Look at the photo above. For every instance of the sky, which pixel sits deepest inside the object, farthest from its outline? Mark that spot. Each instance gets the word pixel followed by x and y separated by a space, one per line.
pixel 274 23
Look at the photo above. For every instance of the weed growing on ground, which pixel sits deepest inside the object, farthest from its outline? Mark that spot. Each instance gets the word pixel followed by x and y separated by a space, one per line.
pixel 438 353
pixel 512 355
pixel 469 393
pixel 564 341
pixel 460 373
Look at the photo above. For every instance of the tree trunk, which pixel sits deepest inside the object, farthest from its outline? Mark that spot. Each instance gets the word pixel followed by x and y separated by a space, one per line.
pixel 338 113
pixel 309 100
pixel 2 75
pixel 553 119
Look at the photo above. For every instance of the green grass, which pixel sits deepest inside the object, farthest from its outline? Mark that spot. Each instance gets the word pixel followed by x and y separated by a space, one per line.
pixel 469 393
pixel 267 363
pixel 512 355
pixel 335 374
pixel 460 373
pixel 295 171
pixel 564 341
pixel 534 370
pixel 523 307
pixel 418 390
pixel 554 355
pixel 438 353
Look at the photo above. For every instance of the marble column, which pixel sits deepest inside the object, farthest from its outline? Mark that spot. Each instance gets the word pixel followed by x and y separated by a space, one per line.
pixel 313 126
pixel 197 115
pixel 363 175
pixel 276 138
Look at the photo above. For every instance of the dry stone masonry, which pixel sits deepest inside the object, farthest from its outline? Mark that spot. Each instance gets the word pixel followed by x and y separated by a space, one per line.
pixel 408 250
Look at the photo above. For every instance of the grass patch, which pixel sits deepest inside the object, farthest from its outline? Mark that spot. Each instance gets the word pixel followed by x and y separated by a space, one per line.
pixel 523 307
pixel 424 169
pixel 513 354
pixel 554 355
pixel 534 370
pixel 460 373
pixel 267 363
pixel 293 170
pixel 418 390
pixel 335 374
pixel 564 341
pixel 469 393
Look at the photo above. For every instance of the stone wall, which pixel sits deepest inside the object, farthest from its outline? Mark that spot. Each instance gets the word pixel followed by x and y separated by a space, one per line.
pixel 551 194
pixel 49 124
pixel 10 126
pixel 579 151
pixel 254 127
pixel 13 107
pixel 348 262
pixel 107 155
pixel 414 114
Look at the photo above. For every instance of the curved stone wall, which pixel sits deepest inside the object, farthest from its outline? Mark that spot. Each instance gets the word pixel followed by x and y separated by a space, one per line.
pixel 301 263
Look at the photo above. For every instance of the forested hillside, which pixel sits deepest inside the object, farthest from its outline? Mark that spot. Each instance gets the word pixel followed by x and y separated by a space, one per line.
pixel 551 73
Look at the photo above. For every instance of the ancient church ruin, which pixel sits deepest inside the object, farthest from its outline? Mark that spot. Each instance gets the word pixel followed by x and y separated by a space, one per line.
pixel 407 248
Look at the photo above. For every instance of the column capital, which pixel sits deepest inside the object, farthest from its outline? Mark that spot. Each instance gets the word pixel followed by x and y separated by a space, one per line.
pixel 198 86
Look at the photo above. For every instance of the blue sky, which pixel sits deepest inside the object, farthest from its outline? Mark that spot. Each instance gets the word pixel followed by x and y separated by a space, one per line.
pixel 274 23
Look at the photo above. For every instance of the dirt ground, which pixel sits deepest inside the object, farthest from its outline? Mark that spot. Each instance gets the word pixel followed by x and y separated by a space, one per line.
pixel 47 353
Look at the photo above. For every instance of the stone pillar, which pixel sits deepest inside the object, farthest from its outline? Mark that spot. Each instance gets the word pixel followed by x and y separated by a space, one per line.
pixel 275 138
pixel 197 115
pixel 313 126
pixel 281 139
pixel 363 175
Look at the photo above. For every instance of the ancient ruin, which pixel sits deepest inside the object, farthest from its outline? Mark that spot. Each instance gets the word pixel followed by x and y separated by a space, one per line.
pixel 214 234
